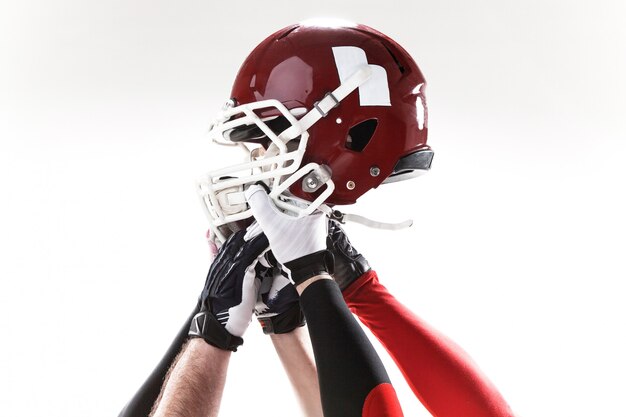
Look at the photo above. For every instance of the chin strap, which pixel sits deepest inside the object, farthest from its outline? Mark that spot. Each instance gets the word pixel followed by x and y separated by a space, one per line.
pixel 355 218
pixel 329 102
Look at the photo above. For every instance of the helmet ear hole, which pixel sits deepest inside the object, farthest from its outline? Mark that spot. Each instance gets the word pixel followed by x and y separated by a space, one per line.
pixel 360 135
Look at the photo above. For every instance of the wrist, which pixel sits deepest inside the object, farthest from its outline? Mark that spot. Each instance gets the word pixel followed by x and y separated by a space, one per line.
pixel 204 325
pixel 309 266
pixel 303 285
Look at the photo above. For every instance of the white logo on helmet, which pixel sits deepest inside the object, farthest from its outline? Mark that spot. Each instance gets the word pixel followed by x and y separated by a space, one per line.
pixel 420 107
pixel 375 91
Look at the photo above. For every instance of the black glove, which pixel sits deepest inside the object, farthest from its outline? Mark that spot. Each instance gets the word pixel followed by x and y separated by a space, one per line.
pixel 231 290
pixel 278 306
pixel 349 263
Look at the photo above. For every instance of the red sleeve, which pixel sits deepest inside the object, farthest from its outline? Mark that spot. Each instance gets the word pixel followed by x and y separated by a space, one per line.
pixel 440 373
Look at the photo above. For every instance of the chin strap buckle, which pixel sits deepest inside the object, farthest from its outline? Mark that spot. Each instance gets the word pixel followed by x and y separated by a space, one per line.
pixel 337 215
pixel 325 105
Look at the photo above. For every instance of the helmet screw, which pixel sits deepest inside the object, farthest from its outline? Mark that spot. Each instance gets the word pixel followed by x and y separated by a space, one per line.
pixel 230 103
pixel 374 171
pixel 311 182
pixel 338 121
pixel 350 185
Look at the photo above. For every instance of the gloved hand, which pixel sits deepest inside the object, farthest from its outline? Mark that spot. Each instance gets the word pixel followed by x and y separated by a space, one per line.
pixel 278 306
pixel 298 243
pixel 349 263
pixel 231 289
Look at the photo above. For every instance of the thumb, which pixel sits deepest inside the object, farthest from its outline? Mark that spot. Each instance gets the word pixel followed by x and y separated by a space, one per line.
pixel 261 205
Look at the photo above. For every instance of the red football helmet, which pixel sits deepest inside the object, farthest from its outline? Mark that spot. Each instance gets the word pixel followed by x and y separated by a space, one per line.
pixel 327 113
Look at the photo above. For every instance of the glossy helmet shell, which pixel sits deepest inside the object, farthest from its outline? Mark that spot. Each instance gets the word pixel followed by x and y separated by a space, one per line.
pixel 296 66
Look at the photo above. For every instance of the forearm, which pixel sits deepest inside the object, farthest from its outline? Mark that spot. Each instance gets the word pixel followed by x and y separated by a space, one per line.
pixel 294 351
pixel 440 373
pixel 144 399
pixel 196 383
pixel 353 381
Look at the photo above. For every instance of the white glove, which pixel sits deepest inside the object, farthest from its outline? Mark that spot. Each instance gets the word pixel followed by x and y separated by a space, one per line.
pixel 298 243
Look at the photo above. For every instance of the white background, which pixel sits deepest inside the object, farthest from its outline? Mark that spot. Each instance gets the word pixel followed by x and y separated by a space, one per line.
pixel 519 249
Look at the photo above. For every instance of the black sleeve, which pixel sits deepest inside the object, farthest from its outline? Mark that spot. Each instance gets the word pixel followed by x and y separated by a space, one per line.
pixel 348 367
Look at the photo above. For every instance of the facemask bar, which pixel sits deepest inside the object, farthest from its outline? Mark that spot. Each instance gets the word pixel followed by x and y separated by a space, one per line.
pixel 222 191
pixel 295 205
